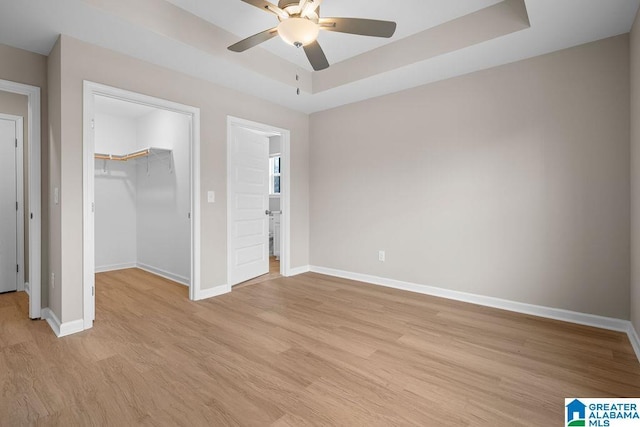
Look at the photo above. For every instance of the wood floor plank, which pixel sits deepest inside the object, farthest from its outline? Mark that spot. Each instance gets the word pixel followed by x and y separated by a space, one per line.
pixel 299 351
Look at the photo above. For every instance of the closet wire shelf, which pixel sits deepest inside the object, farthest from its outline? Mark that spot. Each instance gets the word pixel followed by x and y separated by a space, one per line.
pixel 146 153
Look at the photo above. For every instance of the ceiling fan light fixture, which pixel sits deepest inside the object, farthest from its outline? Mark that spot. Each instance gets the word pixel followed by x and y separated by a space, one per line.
pixel 298 31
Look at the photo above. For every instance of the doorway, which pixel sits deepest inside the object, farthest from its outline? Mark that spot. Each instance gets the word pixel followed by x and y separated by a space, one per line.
pixel 141 183
pixel 254 230
pixel 11 204
pixel 32 219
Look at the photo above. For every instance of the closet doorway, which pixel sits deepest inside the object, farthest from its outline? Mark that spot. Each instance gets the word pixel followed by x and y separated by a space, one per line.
pixel 141 187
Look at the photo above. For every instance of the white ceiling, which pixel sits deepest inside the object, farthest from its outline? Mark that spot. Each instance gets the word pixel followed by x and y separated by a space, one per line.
pixel 555 24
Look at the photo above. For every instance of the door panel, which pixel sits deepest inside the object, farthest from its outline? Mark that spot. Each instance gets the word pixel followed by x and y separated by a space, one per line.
pixel 249 199
pixel 8 212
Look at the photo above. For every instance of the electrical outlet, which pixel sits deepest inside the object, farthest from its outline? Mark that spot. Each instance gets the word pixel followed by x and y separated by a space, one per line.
pixel 381 256
pixel 53 280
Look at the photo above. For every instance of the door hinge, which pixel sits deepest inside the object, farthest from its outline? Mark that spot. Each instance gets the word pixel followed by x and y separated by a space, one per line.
pixel 93 124
pixel 16 142
pixel 31 215
pixel 93 291
pixel 16 205
pixel 189 215
pixel 93 207
pixel 17 268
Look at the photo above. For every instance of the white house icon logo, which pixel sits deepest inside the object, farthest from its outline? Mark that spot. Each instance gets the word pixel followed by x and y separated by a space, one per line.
pixel 576 413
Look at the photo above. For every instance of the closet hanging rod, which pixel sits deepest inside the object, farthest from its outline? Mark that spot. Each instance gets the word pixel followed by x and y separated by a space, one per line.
pixel 146 152
pixel 124 157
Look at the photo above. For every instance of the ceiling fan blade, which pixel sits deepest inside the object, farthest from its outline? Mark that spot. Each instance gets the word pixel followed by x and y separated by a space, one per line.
pixel 316 56
pixel 269 7
pixel 362 27
pixel 254 40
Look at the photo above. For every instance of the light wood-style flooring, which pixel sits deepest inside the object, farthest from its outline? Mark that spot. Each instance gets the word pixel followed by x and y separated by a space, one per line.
pixel 307 350
pixel 274 273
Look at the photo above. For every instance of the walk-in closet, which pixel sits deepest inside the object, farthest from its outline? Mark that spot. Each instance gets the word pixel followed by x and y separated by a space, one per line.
pixel 142 189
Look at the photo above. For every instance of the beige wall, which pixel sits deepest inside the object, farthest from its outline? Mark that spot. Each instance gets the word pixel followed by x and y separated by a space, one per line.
pixel 635 174
pixel 80 61
pixel 24 67
pixel 511 182
pixel 18 105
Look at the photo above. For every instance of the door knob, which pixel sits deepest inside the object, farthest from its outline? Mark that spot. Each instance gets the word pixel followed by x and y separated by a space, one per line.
pixel 267 212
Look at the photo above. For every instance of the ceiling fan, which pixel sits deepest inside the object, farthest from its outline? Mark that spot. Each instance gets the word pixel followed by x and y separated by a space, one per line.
pixel 300 24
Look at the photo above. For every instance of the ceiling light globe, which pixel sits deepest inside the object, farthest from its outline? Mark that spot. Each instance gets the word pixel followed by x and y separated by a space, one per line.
pixel 298 31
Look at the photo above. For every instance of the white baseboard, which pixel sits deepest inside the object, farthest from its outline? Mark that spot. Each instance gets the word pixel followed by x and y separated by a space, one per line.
pixel 212 292
pixel 27 288
pixel 299 270
pixel 149 268
pixel 635 341
pixel 519 307
pixel 115 267
pixel 163 273
pixel 61 329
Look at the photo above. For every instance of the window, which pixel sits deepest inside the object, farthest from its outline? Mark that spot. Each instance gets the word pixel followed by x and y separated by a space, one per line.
pixel 274 174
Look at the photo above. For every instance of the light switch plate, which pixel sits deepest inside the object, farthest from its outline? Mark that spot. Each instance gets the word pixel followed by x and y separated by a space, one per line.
pixel 211 196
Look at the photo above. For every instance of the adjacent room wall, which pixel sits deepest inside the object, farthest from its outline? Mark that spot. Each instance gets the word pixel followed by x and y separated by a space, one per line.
pixel 81 61
pixel 635 174
pixel 274 148
pixel 511 182
pixel 115 194
pixel 25 67
pixel 164 202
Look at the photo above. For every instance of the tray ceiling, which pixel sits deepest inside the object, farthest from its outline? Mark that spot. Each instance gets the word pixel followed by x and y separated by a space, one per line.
pixel 435 40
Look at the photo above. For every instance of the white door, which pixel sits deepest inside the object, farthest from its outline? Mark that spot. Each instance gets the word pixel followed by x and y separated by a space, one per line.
pixel 248 175
pixel 8 207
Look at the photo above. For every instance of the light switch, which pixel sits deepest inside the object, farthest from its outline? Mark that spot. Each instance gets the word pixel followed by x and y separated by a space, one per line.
pixel 211 196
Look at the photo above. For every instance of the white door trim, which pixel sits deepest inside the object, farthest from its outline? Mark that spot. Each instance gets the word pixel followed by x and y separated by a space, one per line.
pixel 34 185
pixel 90 90
pixel 19 125
pixel 285 188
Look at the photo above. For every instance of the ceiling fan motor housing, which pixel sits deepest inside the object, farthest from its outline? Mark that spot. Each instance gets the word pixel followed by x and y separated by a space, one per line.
pixel 283 4
pixel 292 7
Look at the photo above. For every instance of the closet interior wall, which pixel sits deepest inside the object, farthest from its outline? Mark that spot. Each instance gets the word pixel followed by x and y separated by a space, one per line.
pixel 142 205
